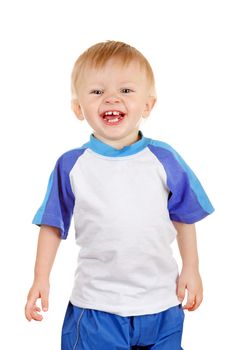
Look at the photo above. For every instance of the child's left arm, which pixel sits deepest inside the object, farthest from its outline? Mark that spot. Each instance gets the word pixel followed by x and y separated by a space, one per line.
pixel 189 278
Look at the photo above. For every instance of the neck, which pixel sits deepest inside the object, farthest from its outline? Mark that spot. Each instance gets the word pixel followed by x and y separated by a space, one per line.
pixel 119 144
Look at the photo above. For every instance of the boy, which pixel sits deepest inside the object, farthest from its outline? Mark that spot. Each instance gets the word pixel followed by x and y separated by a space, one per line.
pixel 130 197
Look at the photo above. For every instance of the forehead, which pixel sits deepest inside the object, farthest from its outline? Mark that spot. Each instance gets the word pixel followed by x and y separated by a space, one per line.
pixel 115 70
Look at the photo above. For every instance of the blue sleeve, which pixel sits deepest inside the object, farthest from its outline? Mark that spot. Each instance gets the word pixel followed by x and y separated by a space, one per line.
pixel 57 207
pixel 187 200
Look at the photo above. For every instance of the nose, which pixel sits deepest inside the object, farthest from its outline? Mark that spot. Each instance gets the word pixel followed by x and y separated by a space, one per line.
pixel 112 99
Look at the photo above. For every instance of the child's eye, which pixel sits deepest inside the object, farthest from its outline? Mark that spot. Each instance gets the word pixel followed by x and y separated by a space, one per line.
pixel 96 92
pixel 126 90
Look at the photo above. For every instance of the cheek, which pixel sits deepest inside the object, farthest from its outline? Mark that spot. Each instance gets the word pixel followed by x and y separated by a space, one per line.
pixel 89 107
pixel 136 107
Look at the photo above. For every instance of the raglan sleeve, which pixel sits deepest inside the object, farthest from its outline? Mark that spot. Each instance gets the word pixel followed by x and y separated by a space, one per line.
pixel 57 207
pixel 187 200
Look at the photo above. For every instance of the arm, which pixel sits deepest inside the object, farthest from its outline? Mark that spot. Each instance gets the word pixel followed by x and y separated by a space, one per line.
pixel 48 243
pixel 189 277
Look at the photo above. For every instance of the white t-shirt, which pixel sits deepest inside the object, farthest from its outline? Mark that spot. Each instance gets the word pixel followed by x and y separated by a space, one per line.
pixel 123 202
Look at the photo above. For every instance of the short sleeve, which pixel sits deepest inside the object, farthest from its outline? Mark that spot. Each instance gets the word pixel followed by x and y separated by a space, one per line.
pixel 57 207
pixel 187 201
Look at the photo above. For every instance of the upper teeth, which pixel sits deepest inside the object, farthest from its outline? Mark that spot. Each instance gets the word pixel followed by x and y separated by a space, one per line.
pixel 112 113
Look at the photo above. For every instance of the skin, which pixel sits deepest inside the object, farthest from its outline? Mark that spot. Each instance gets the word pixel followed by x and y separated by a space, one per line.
pixel 114 87
pixel 189 279
pixel 124 88
pixel 48 243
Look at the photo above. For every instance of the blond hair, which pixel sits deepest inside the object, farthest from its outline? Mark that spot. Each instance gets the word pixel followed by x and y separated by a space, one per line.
pixel 97 55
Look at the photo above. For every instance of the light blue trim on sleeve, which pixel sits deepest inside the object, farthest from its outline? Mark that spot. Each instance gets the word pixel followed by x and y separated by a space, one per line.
pixel 39 215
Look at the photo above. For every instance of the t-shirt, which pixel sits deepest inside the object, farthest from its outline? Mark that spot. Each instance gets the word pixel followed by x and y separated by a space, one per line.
pixel 123 202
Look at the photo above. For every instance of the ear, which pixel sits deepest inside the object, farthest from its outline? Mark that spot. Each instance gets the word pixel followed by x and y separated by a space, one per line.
pixel 76 108
pixel 149 105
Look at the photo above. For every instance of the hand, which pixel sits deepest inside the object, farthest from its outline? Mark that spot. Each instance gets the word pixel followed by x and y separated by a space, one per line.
pixel 39 290
pixel 190 279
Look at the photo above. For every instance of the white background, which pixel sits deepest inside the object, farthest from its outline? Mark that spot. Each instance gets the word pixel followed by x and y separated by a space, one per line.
pixel 189 45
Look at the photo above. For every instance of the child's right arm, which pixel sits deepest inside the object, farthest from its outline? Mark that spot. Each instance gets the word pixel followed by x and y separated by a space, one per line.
pixel 48 243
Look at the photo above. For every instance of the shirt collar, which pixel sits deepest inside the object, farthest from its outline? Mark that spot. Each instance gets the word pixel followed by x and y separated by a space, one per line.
pixel 106 150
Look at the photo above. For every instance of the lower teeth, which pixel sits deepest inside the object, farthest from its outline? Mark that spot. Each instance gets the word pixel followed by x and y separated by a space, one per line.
pixel 113 120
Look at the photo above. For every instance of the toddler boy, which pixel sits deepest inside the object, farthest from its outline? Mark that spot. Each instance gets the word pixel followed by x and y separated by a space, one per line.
pixel 130 196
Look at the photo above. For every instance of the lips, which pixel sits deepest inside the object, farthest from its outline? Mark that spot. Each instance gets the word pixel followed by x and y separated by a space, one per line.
pixel 112 117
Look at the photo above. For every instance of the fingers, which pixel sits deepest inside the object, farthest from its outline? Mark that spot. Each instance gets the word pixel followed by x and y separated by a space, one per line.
pixel 191 299
pixel 44 301
pixel 35 315
pixel 181 291
pixel 190 281
pixel 197 301
pixel 32 311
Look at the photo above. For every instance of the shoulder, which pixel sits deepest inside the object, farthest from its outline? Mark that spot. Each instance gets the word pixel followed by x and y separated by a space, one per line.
pixel 76 152
pixel 168 156
pixel 68 159
pixel 162 148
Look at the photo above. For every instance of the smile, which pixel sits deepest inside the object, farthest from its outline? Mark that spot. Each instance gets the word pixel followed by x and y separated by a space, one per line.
pixel 112 117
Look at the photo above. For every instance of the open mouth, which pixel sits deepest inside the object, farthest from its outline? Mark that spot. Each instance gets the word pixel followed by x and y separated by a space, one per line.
pixel 112 117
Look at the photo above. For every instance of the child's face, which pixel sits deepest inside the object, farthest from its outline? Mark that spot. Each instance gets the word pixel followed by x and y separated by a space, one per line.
pixel 114 100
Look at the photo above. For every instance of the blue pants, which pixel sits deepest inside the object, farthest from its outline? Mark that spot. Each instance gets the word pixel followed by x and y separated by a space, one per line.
pixel 87 329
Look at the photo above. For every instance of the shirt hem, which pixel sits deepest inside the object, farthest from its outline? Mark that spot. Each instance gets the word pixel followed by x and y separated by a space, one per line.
pixel 125 312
